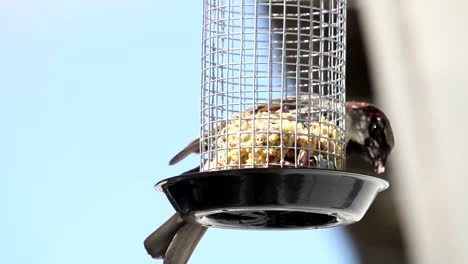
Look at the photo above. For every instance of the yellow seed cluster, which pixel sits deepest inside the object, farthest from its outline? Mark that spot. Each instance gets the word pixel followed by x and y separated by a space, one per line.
pixel 271 138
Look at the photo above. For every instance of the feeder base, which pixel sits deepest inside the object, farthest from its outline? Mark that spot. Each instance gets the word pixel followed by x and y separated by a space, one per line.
pixel 272 198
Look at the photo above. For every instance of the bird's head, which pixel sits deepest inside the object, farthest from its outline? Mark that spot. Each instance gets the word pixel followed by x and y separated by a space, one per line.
pixel 369 131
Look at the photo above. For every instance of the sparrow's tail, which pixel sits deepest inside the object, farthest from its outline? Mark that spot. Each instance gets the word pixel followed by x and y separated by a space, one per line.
pixel 174 241
pixel 192 147
pixel 157 243
pixel 184 243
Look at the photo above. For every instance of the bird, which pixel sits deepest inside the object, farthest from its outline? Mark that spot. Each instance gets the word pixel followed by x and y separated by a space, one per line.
pixel 368 129
pixel 368 133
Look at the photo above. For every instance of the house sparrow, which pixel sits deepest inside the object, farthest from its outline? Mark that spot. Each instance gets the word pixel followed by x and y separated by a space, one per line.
pixel 368 131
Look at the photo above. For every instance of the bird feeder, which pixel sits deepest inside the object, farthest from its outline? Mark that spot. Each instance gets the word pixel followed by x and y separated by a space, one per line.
pixel 272 141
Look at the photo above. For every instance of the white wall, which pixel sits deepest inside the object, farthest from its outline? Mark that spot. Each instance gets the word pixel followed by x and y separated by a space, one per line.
pixel 418 60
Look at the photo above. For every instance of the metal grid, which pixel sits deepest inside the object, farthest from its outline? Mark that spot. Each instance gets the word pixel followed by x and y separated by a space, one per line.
pixel 273 88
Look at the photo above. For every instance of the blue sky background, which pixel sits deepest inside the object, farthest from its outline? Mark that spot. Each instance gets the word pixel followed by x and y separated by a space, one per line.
pixel 95 98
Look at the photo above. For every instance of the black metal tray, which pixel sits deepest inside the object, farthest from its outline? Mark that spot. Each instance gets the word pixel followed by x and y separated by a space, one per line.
pixel 272 198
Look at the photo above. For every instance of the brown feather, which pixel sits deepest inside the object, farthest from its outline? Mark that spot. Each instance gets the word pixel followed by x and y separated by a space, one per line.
pixel 157 243
pixel 193 147
pixel 183 244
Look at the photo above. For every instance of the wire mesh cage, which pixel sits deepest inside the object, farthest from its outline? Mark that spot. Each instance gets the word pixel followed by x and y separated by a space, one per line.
pixel 272 96
pixel 273 84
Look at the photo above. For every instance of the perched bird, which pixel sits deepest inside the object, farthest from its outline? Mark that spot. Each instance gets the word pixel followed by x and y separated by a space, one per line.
pixel 368 133
pixel 368 130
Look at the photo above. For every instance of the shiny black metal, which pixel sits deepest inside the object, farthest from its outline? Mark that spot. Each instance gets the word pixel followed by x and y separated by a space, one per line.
pixel 276 198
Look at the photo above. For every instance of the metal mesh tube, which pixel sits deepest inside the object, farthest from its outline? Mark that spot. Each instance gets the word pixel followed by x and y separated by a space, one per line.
pixel 273 88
